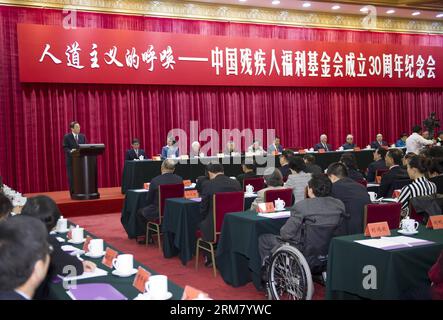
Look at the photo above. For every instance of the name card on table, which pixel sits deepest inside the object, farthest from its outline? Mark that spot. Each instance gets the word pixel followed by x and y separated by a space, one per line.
pixel 302 151
pixel 191 194
pixel 435 222
pixel 140 279
pixel 357 149
pixel 396 193
pixel 146 185
pixel 266 207
pixel 187 183
pixel 191 293
pixel 275 153
pixel 321 151
pixel 378 229
pixel 109 256
pixel 156 158
pixel 86 244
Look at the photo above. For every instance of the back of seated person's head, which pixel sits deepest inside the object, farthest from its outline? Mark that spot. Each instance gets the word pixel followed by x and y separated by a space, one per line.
pixel 215 168
pixel 382 152
pixel 44 209
pixel 24 253
pixel 408 157
pixel 421 164
pixel 435 166
pixel 396 155
pixel 287 155
pixel 168 165
pixel 297 164
pixel 309 158
pixel 320 185
pixel 5 206
pixel 247 167
pixel 337 169
pixel 348 159
pixel 436 152
pixel 273 177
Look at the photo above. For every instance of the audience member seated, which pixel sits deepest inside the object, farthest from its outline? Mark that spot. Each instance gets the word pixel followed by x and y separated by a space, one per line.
pixel 135 152
pixel 200 181
pixel 352 194
pixel 248 172
pixel 218 183
pixel 408 156
pixel 5 207
pixel 435 173
pixel 323 144
pixel 349 143
pixel 401 143
pixel 275 147
pixel 348 159
pixel 378 143
pixel 273 180
pixel 298 179
pixel 393 161
pixel 24 257
pixel 284 163
pixel 256 148
pixel 230 149
pixel 420 186
pixel 150 212
pixel 45 209
pixel 170 150
pixel 320 207
pixel 378 164
pixel 415 142
pixel 311 167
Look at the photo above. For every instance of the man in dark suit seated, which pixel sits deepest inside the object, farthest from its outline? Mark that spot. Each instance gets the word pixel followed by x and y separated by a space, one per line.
pixel 354 196
pixel 150 212
pixel 393 161
pixel 24 257
pixel 218 183
pixel 311 167
pixel 323 144
pixel 378 143
pixel 71 142
pixel 135 152
pixel 379 163
pixel 248 172
pixel 284 163
pixel 349 143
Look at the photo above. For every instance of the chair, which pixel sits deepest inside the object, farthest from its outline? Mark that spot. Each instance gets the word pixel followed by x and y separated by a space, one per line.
pixel 379 174
pixel 283 194
pixel 223 203
pixel 390 212
pixel 165 191
pixel 257 183
pixel 363 182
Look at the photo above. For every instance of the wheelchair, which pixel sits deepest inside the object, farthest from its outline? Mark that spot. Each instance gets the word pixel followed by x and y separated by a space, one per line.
pixel 291 269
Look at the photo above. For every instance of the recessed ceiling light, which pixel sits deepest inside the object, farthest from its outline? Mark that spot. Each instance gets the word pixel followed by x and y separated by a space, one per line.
pixel 416 13
pixel 306 5
pixel 364 9
pixel 440 15
pixel 336 7
pixel 390 11
pixel 275 2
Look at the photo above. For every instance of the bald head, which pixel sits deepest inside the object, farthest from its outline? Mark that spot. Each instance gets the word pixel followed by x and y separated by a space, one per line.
pixel 323 138
pixel 168 166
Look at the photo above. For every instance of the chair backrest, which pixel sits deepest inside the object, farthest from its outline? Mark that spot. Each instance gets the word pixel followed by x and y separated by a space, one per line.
pixel 389 212
pixel 166 191
pixel 381 172
pixel 398 184
pixel 283 194
pixel 223 203
pixel 258 183
pixel 363 182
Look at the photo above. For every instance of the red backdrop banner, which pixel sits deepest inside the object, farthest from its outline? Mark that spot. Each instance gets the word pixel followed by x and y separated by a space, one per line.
pixel 84 55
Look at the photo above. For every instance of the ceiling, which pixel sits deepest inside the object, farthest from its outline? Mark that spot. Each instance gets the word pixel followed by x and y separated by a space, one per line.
pixel 428 9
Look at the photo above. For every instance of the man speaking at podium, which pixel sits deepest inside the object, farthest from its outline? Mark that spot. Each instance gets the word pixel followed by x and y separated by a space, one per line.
pixel 70 144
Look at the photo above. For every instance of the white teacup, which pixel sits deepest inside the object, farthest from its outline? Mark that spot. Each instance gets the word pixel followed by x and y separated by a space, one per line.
pixel 409 225
pixel 123 263
pixel 77 234
pixel 95 247
pixel 249 188
pixel 141 157
pixel 62 224
pixel 279 204
pixel 157 287
pixel 372 196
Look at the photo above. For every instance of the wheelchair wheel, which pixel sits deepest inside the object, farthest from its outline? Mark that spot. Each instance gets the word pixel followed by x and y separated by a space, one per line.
pixel 289 276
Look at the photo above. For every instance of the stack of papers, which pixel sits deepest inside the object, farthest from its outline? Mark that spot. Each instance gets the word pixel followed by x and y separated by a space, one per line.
pixel 191 186
pixel 391 243
pixel 140 190
pixel 275 215
pixel 73 251
pixel 196 199
pixel 86 275
pixel 250 195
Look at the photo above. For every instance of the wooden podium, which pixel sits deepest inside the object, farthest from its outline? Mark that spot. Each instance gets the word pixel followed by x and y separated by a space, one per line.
pixel 84 171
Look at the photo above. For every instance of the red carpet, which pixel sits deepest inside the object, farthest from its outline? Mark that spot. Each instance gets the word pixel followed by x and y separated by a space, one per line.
pixel 111 200
pixel 108 227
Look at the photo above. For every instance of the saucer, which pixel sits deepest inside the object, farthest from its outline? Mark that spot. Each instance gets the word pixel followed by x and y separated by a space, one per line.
pixel 280 209
pixel 73 242
pixel 118 274
pixel 88 254
pixel 407 232
pixel 62 231
pixel 146 296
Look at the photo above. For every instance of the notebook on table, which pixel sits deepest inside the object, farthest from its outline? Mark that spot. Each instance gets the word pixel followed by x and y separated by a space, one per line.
pixel 95 291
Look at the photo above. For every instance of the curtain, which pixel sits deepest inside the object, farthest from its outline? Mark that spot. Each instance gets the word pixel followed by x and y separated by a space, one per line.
pixel 34 117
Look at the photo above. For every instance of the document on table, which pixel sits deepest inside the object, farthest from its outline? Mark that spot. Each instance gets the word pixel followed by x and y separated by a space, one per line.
pixel 275 215
pixel 250 195
pixel 390 243
pixel 86 275
pixel 140 190
pixel 373 185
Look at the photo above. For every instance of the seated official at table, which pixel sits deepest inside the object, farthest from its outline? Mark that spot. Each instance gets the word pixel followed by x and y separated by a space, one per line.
pixel 323 144
pixel 5 207
pixel 273 180
pixel 150 212
pixel 378 143
pixel 284 163
pixel 135 152
pixel 46 210
pixel 401 143
pixel 393 161
pixel 275 147
pixel 311 167
pixel 348 159
pixel 249 171
pixel 218 183
pixel 378 164
pixel 24 257
pixel 420 185
pixel 170 150
pixel 298 179
pixel 230 149
pixel 256 148
pixel 440 138
pixel 349 143
pixel 195 150
pixel 415 142
pixel 352 194
pixel 320 207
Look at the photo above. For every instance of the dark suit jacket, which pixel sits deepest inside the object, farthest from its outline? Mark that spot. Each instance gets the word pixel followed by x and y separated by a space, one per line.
pixel 313 168
pixel 320 146
pixel 355 197
pixel 348 146
pixel 131 155
pixel 396 173
pixel 10 295
pixel 373 167
pixel 438 180
pixel 355 175
pixel 151 210
pixel 241 177
pixel 376 145
pixel 285 171
pixel 69 143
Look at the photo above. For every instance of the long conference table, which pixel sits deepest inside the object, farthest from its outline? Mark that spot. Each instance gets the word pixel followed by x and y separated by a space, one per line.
pixel 138 172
